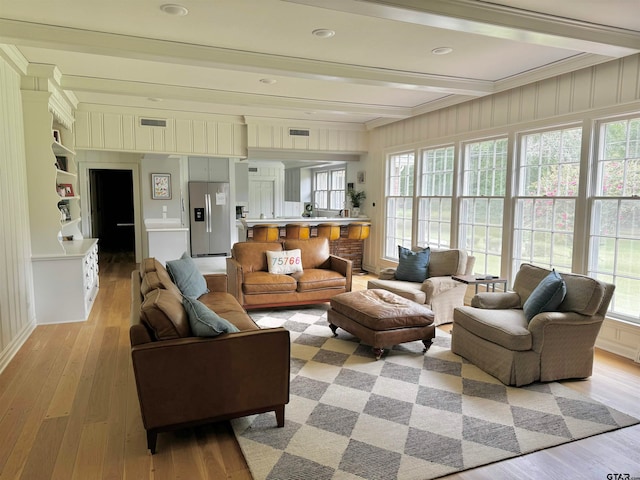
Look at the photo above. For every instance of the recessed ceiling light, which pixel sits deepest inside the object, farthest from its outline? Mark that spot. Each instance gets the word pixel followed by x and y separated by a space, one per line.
pixel 268 81
pixel 174 9
pixel 154 99
pixel 323 33
pixel 442 50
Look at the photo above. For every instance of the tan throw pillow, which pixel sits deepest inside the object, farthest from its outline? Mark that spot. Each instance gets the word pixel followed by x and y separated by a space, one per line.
pixel 287 261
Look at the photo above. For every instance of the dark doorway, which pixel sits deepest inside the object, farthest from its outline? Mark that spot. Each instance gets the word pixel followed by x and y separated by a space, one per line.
pixel 112 209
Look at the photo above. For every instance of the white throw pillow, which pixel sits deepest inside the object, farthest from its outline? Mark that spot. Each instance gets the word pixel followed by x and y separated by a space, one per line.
pixel 286 261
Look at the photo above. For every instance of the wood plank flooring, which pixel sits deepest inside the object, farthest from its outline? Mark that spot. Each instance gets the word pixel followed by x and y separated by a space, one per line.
pixel 69 410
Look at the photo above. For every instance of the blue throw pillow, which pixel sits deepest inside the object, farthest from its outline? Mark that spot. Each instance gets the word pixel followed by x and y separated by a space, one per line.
pixel 187 277
pixel 412 266
pixel 546 297
pixel 205 322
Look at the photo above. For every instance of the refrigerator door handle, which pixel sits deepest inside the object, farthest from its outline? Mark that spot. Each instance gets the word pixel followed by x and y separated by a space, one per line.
pixel 207 212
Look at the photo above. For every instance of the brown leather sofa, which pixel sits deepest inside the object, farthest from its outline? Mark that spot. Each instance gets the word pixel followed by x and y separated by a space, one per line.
pixel 323 276
pixel 183 380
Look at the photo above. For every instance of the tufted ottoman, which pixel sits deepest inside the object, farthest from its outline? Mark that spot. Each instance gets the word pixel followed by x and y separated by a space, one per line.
pixel 380 318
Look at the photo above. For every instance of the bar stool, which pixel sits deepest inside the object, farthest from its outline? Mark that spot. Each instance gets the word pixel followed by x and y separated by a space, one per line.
pixel 329 230
pixel 358 230
pixel 266 232
pixel 297 231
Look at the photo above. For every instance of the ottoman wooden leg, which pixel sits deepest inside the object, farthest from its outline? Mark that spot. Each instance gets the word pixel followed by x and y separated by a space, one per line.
pixel 378 352
pixel 333 329
pixel 427 344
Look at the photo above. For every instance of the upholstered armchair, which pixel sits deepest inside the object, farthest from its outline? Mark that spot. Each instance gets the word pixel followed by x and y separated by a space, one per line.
pixel 438 291
pixel 544 330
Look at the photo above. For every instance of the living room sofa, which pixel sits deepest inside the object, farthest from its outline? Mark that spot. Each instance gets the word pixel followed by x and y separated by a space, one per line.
pixel 438 292
pixel 520 337
pixel 183 380
pixel 320 276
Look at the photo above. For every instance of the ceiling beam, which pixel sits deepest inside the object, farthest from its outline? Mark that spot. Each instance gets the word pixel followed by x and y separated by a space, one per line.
pixel 127 46
pixel 225 97
pixel 482 18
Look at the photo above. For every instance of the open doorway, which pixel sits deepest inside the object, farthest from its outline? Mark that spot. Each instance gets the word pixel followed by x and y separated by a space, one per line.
pixel 112 210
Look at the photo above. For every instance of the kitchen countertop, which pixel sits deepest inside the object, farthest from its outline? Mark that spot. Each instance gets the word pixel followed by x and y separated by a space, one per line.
pixel 282 221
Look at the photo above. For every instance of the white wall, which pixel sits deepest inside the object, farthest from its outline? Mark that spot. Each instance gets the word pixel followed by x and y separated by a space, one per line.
pixel 583 96
pixel 17 315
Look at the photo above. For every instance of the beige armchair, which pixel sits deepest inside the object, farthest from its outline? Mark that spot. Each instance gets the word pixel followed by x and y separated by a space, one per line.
pixel 494 334
pixel 439 292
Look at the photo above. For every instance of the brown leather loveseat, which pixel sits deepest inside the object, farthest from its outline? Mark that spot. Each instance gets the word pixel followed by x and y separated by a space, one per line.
pixel 321 277
pixel 183 380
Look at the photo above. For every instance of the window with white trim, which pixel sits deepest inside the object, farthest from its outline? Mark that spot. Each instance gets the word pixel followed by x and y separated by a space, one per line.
pixel 329 189
pixel 399 203
pixel 546 196
pixel 615 219
pixel 435 197
pixel 482 202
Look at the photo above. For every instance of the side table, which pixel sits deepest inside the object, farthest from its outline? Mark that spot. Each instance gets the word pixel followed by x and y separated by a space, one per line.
pixel 481 280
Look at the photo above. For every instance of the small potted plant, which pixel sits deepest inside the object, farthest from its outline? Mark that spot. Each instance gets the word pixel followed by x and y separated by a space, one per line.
pixel 356 199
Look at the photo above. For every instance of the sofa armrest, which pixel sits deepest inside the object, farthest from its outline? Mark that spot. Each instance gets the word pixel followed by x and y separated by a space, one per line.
pixel 235 277
pixel 194 379
pixel 216 282
pixel 496 300
pixel 343 267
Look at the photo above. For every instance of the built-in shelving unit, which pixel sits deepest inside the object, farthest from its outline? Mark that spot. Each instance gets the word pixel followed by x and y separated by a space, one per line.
pixel 65 264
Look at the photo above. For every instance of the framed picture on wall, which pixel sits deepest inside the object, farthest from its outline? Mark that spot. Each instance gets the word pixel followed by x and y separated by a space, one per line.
pixel 361 177
pixel 161 186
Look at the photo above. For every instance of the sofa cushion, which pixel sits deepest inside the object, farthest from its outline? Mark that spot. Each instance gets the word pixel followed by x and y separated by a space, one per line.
pixel 318 279
pixel 315 251
pixel 546 297
pixel 286 261
pixel 148 265
pixel 508 328
pixel 163 314
pixel 251 255
pixel 228 308
pixel 265 282
pixel 150 282
pixel 412 266
pixel 185 274
pixel 203 321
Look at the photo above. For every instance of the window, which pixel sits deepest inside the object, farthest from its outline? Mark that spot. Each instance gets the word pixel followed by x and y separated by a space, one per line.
pixel 399 203
pixel 482 203
pixel 329 189
pixel 546 198
pixel 615 226
pixel 435 197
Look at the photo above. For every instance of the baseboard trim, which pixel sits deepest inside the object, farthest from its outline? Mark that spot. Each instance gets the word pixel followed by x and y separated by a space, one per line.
pixel 10 351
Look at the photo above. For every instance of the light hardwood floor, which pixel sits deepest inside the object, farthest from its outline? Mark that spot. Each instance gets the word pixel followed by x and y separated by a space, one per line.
pixel 68 410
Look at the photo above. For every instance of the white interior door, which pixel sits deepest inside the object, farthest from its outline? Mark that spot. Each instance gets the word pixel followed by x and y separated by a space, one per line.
pixel 261 199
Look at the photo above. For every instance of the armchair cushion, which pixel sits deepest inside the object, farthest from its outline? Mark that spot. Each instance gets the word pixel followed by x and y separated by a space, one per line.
pixel 205 322
pixel 412 266
pixel 185 274
pixel 546 297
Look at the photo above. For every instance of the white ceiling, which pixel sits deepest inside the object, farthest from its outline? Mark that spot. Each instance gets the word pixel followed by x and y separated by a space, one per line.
pixel 377 68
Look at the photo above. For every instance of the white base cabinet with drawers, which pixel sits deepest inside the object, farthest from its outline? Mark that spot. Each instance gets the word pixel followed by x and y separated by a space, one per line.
pixel 66 286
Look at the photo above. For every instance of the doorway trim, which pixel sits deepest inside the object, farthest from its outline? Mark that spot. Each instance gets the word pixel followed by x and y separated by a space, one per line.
pixel 85 203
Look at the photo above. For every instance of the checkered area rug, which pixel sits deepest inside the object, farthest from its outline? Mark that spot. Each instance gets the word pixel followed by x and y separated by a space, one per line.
pixel 407 416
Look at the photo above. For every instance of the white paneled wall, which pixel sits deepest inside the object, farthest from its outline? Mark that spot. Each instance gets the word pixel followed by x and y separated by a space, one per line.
pixel 607 89
pixel 17 315
pixel 105 128
pixel 275 135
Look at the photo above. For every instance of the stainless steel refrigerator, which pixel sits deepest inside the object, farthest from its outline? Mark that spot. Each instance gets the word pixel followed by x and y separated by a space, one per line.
pixel 210 219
